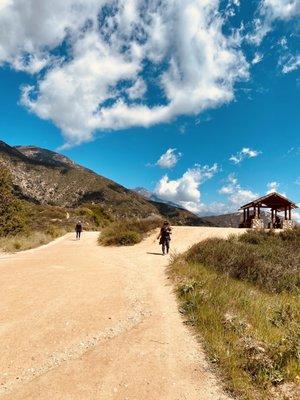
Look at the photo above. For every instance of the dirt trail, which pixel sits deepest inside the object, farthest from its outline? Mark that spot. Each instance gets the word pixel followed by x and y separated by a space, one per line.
pixel 83 322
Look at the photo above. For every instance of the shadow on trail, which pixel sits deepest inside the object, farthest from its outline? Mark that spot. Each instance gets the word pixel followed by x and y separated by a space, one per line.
pixel 155 254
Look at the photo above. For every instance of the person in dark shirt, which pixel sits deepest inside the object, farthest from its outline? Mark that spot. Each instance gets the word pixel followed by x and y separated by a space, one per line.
pixel 78 230
pixel 165 237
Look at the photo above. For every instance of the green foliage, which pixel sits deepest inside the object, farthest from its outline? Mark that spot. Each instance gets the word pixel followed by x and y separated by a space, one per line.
pixel 53 231
pixel 121 238
pixel 12 212
pixel 127 232
pixel 267 259
pixel 95 215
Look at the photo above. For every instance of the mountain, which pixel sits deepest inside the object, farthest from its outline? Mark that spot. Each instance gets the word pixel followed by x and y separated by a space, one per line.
pixel 151 196
pixel 232 220
pixel 48 178
pixel 225 220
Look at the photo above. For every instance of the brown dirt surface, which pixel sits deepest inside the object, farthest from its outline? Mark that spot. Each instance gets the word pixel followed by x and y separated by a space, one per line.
pixel 84 322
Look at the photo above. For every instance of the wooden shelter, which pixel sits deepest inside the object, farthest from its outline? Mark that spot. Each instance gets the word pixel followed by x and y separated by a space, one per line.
pixel 276 203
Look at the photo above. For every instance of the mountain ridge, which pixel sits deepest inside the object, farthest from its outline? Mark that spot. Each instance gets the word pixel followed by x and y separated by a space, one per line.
pixel 46 177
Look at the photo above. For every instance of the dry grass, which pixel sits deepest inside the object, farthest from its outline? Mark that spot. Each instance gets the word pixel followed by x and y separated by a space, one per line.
pixel 128 232
pixel 269 260
pixel 251 334
pixel 11 244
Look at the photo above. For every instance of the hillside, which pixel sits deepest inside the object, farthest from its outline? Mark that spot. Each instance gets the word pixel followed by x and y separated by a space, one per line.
pixel 231 220
pixel 45 177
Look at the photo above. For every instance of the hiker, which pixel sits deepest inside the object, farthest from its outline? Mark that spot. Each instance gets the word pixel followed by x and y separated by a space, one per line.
pixel 277 224
pixel 165 237
pixel 78 229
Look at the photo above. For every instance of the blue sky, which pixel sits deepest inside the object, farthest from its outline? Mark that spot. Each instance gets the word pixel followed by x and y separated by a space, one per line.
pixel 217 84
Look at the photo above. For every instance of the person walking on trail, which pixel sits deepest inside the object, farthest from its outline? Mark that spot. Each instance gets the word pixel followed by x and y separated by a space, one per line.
pixel 165 237
pixel 78 230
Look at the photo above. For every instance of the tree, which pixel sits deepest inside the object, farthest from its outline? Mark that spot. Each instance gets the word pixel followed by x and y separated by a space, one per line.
pixel 12 213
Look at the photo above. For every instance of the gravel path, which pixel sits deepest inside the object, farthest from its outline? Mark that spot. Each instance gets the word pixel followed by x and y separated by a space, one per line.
pixel 83 322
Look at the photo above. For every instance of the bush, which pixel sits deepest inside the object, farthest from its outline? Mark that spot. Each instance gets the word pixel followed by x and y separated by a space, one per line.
pixel 54 231
pixel 123 238
pixel 128 232
pixel 95 215
pixel 269 260
pixel 12 212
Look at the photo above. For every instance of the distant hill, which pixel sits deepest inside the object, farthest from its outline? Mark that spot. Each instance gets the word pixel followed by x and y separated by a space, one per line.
pixel 231 220
pixel 152 196
pixel 48 178
pixel 225 220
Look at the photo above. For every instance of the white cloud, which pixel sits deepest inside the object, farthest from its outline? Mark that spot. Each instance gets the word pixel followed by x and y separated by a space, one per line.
pixel 270 11
pixel 30 28
pixel 280 9
pixel 138 90
pixel 257 58
pixel 169 159
pixel 246 152
pixel 272 187
pixel 185 191
pixel 290 64
pixel 96 83
pixel 237 196
pixel 296 215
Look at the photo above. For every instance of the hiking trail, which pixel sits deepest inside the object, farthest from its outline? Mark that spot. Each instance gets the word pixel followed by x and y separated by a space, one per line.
pixel 84 322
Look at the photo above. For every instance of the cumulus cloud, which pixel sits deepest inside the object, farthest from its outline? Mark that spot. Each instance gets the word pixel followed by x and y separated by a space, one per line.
pixel 244 153
pixel 185 191
pixel 94 57
pixel 234 197
pixel 236 194
pixel 169 159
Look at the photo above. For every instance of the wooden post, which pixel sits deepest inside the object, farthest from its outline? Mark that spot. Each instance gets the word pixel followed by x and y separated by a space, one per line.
pixel 290 213
pixel 272 218
pixel 244 216
pixel 285 213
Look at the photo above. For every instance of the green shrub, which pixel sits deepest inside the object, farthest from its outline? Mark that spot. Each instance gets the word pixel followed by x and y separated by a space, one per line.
pixel 127 232
pixel 54 231
pixel 269 260
pixel 12 212
pixel 95 215
pixel 122 238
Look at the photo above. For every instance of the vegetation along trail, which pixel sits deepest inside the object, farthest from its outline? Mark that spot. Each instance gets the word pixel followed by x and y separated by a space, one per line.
pixel 80 321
